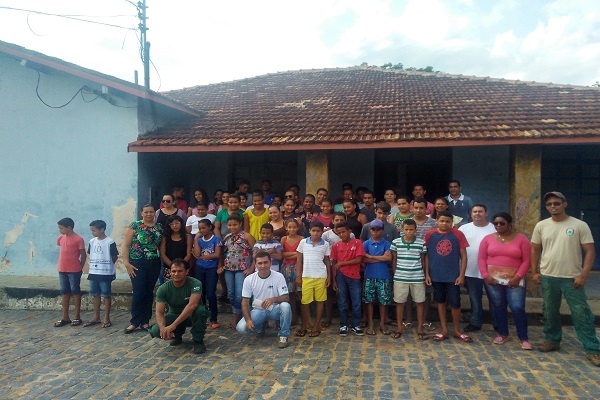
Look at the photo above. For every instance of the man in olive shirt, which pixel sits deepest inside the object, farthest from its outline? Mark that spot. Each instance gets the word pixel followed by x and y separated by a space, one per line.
pixel 182 294
pixel 556 261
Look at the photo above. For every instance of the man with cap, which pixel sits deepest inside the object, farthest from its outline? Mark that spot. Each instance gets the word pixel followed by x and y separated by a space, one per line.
pixel 556 262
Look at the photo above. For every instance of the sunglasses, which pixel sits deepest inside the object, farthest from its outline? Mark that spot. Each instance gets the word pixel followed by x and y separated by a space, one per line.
pixel 553 203
pixel 165 201
pixel 499 223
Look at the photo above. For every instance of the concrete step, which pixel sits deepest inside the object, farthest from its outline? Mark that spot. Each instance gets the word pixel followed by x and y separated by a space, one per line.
pixel 42 293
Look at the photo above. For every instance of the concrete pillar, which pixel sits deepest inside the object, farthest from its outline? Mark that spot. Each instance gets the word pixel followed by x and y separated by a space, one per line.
pixel 317 170
pixel 525 194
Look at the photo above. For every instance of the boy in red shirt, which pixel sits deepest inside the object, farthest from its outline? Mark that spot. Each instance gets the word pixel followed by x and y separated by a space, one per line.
pixel 70 267
pixel 346 256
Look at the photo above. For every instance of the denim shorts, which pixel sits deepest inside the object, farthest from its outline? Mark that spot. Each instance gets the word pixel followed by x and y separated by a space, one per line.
pixel 70 282
pixel 446 291
pixel 98 288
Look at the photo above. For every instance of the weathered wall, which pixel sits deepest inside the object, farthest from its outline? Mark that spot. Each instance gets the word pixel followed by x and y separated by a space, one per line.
pixel 483 172
pixel 59 162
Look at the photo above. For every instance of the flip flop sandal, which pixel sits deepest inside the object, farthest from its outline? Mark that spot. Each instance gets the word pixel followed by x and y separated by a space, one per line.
pixel 439 337
pixel 62 322
pixel 384 331
pixel 422 336
pixel 370 332
pixel 464 338
pixel 396 335
pixel 314 334
pixel 76 322
pixel 90 323
pixel 301 332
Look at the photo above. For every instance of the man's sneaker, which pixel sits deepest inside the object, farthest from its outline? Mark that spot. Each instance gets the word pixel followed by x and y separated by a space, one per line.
pixel 594 359
pixel 283 342
pixel 343 331
pixel 357 331
pixel 547 347
pixel 472 328
pixel 176 341
pixel 199 347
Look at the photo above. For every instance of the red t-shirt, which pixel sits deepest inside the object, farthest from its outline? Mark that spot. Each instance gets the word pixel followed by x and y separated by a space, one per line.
pixel 70 251
pixel 345 252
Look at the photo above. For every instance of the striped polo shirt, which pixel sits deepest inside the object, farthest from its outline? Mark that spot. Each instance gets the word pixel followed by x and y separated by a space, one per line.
pixel 409 268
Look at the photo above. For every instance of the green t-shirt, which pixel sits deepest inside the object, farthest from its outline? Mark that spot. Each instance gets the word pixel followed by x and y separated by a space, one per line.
pixel 178 297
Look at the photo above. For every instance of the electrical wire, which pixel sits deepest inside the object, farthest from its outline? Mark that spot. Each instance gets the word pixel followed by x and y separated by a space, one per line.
pixel 66 16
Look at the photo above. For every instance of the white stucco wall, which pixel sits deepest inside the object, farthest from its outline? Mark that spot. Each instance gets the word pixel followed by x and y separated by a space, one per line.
pixel 71 161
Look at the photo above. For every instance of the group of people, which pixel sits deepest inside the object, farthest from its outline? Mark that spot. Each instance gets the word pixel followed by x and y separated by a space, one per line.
pixel 271 252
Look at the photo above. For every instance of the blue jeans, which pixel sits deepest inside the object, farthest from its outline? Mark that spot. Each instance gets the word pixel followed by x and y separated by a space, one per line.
pixel 515 298
pixel 209 279
pixel 583 319
pixel 142 286
pixel 475 288
pixel 234 281
pixel 281 312
pixel 348 287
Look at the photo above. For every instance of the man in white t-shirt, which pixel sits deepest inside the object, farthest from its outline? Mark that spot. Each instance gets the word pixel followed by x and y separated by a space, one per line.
pixel 559 240
pixel 475 232
pixel 270 297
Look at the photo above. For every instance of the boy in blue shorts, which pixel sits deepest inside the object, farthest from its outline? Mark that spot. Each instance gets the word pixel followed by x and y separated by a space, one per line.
pixel 70 268
pixel 103 255
pixel 377 276
pixel 445 271
pixel 313 273
pixel 409 259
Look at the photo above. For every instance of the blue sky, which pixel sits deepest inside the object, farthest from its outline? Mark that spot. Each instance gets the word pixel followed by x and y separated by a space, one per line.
pixel 199 42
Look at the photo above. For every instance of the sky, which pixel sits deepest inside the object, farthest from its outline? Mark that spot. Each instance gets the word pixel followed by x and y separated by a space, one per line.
pixel 198 42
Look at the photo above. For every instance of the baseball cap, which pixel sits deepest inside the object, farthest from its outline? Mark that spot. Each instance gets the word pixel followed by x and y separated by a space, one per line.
pixel 376 224
pixel 555 194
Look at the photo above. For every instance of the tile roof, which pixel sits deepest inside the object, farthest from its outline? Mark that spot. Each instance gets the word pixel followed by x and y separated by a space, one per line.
pixel 375 107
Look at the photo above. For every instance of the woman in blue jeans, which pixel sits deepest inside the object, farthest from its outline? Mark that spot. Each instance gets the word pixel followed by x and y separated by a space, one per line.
pixel 207 250
pixel 504 259
pixel 141 245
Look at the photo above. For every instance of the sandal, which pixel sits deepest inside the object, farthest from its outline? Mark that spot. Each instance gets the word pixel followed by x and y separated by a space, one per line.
pixel 422 336
pixel 370 332
pixel 62 322
pixel 384 331
pixel 76 322
pixel 463 337
pixel 314 334
pixel 396 334
pixel 90 323
pixel 439 337
pixel 301 332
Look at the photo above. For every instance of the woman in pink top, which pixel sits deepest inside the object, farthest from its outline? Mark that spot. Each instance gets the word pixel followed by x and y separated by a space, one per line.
pixel 503 260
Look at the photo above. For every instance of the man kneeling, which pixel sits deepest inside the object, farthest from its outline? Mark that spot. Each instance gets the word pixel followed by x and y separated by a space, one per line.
pixel 182 294
pixel 271 300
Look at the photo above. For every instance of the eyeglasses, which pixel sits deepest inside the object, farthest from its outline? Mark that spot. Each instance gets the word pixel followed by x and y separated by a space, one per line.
pixel 553 203
pixel 499 223
pixel 165 201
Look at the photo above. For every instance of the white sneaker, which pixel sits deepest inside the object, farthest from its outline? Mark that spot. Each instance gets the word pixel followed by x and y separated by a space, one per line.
pixel 283 342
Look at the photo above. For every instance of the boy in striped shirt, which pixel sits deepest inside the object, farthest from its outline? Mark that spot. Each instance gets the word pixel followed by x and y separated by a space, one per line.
pixel 409 258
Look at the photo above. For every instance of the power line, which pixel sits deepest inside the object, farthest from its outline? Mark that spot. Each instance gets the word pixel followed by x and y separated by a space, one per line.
pixel 67 17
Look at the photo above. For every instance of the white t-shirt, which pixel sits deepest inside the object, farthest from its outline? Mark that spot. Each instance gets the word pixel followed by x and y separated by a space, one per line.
pixel 261 289
pixel 193 221
pixel 312 258
pixel 474 235
pixel 561 242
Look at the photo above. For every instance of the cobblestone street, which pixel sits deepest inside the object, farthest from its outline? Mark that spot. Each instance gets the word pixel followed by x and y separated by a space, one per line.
pixel 39 361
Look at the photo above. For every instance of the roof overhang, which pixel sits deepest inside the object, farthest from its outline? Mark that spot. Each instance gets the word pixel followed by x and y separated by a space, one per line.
pixel 140 147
